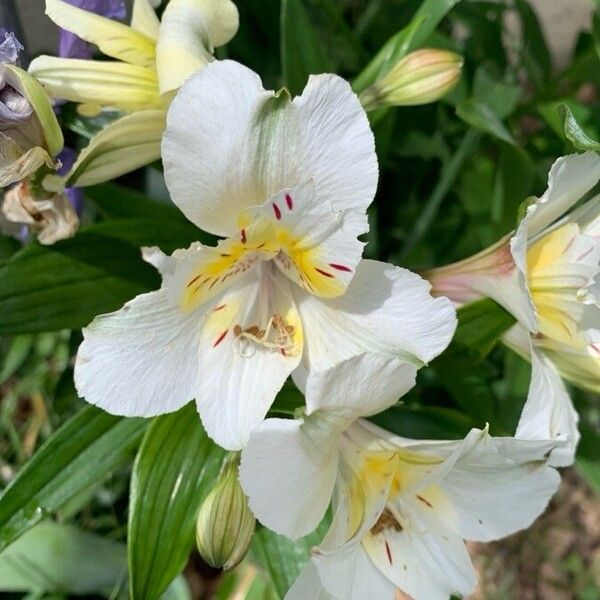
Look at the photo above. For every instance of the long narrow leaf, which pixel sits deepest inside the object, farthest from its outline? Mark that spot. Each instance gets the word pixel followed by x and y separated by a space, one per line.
pixel 77 456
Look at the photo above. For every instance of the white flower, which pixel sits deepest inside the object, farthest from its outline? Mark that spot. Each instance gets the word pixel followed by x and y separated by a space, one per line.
pixel 402 507
pixel 547 276
pixel 287 183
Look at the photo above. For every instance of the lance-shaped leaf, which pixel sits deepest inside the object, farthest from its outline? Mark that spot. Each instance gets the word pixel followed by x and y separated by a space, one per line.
pixel 64 286
pixel 76 457
pixel 282 558
pixel 573 131
pixel 301 51
pixel 176 466
pixel 422 25
pixel 123 146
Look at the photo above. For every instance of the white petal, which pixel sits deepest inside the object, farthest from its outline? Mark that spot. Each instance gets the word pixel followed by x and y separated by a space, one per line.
pixel 385 310
pixel 189 32
pixel 570 178
pixel 360 386
pixel 257 143
pixel 308 585
pixel 209 162
pixel 287 478
pixel 425 565
pixel 498 489
pixel 141 360
pixel 319 245
pixel 238 382
pixel 349 574
pixel 337 145
pixel 549 412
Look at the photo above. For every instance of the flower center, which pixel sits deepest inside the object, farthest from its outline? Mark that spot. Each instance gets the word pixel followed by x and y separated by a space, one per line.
pixel 277 336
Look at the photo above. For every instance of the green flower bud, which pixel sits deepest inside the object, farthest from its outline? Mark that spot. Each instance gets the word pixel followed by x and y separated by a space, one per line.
pixel 421 77
pixel 225 524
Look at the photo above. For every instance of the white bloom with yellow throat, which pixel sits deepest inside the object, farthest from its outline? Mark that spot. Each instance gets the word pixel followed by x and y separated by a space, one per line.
pixel 150 61
pixel 546 275
pixel 401 507
pixel 286 184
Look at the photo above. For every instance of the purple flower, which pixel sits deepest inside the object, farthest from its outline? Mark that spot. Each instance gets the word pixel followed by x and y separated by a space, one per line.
pixel 74 194
pixel 72 46
pixel 14 108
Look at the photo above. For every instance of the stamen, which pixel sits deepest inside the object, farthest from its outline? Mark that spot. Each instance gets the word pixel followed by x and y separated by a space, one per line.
pixel 277 336
pixel 386 521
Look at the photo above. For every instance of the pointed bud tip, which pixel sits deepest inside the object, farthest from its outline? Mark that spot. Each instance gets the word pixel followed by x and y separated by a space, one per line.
pixel 421 77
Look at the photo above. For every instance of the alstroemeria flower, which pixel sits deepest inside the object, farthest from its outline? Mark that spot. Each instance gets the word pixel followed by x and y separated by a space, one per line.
pixel 287 184
pixel 401 507
pixel 150 61
pixel 546 275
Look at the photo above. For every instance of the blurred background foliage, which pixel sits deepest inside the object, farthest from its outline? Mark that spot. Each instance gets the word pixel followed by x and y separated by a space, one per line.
pixel 452 176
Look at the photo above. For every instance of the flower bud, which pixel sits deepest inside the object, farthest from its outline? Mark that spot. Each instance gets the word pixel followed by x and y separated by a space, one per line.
pixel 225 524
pixel 421 77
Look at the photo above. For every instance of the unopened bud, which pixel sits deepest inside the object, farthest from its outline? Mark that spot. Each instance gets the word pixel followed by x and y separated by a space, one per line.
pixel 421 77
pixel 225 524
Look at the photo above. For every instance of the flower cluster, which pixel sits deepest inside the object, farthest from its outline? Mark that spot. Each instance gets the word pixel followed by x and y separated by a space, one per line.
pixel 285 183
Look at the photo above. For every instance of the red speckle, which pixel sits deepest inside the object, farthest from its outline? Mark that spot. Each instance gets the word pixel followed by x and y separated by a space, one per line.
pixel 425 501
pixel 582 256
pixel 277 211
pixel 289 201
pixel 260 246
pixel 323 272
pixel 225 255
pixel 194 280
pixel 340 267
pixel 220 307
pixel 389 553
pixel 596 348
pixel 243 234
pixel 212 285
pixel 220 338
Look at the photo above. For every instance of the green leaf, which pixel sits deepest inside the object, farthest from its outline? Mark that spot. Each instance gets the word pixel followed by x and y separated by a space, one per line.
pixel 301 51
pixel 15 356
pixel 425 422
pixel 590 471
pixel 176 466
pixel 64 286
pixel 282 558
pixel 535 51
pixel 480 326
pixel 573 131
pixel 76 457
pixel 62 558
pixel 481 116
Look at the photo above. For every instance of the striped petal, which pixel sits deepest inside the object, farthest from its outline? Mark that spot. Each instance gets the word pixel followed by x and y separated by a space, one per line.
pixel 112 38
pixel 115 84
pixel 144 19
pixel 123 146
